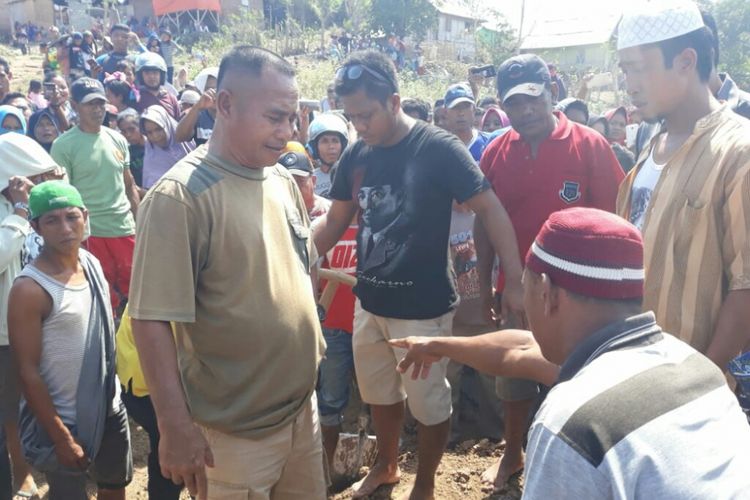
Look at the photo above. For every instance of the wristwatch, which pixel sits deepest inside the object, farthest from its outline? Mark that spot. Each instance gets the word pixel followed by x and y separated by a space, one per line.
pixel 22 206
pixel 321 313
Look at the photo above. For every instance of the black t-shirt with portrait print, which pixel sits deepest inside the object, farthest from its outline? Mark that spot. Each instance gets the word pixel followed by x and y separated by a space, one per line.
pixel 405 194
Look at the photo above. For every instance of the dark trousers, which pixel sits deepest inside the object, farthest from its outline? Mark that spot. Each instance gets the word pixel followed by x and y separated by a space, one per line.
pixel 6 480
pixel 170 74
pixel 142 411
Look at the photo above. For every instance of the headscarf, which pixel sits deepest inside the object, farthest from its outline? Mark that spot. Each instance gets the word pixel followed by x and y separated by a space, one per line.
pixel 202 78
pixel 572 102
pixel 22 156
pixel 34 121
pixel 6 110
pixel 504 120
pixel 610 113
pixel 157 160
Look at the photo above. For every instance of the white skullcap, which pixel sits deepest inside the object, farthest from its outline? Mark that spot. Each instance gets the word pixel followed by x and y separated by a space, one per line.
pixel 23 156
pixel 656 21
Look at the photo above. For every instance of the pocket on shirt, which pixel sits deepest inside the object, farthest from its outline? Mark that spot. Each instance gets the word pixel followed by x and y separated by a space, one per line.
pixel 690 216
pixel 300 239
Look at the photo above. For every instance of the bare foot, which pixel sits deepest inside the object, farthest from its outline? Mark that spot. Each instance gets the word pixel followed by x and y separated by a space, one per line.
pixel 378 476
pixel 498 474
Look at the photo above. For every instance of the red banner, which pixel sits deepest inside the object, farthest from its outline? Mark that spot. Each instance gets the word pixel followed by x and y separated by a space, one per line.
pixel 162 7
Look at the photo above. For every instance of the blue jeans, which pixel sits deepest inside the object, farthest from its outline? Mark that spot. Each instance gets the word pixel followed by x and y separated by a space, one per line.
pixel 334 377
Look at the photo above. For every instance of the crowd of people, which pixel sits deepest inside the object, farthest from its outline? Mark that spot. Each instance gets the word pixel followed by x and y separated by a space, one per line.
pixel 183 255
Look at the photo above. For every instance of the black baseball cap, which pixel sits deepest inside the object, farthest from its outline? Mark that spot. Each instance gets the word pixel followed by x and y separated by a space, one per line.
pixel 523 74
pixel 87 89
pixel 297 163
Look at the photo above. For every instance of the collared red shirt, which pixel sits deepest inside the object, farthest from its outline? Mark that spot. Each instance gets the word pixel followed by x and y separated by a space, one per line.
pixel 574 167
pixel 695 230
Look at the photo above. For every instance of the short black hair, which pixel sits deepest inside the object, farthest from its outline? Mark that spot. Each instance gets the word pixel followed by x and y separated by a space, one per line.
pixel 51 75
pixel 710 22
pixel 700 40
pixel 124 64
pixel 375 88
pixel 252 60
pixel 420 107
pixel 35 86
pixel 485 102
pixel 5 64
pixel 440 103
pixel 11 96
pixel 122 89
pixel 119 27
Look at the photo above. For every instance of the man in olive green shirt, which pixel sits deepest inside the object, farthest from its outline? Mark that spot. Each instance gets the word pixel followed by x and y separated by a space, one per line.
pixel 224 251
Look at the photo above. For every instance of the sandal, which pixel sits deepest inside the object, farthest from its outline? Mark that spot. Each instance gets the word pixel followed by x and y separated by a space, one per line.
pixel 22 495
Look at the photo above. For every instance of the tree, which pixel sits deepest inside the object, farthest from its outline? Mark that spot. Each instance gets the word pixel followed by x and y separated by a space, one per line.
pixel 496 41
pixel 733 19
pixel 403 17
pixel 356 12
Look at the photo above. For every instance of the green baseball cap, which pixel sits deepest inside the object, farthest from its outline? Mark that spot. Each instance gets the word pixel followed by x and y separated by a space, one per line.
pixel 52 195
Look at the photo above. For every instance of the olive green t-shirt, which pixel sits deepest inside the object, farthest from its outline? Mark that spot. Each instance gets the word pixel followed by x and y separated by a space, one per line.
pixel 224 252
pixel 95 164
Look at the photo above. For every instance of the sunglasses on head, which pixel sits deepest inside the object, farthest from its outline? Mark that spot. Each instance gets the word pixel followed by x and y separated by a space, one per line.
pixel 355 72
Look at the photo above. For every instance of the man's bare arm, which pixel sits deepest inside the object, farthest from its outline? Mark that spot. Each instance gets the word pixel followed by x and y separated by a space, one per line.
pixel 131 191
pixel 183 452
pixel 500 233
pixel 732 332
pixel 508 353
pixel 328 232
pixel 28 304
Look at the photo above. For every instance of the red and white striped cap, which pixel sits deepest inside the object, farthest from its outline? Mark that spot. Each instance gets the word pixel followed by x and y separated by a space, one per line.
pixel 590 252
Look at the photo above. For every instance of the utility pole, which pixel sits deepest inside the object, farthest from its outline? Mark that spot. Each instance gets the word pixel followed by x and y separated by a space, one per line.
pixel 520 26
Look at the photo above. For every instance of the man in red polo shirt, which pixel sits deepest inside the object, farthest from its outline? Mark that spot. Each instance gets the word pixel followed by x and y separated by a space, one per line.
pixel 544 164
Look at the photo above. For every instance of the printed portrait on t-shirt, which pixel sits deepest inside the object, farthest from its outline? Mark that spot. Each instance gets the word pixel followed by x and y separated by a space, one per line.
pixel 382 217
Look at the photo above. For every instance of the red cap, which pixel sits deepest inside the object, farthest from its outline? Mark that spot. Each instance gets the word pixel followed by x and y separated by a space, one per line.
pixel 590 252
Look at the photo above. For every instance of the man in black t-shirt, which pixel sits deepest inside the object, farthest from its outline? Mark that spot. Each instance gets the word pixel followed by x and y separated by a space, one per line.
pixel 402 176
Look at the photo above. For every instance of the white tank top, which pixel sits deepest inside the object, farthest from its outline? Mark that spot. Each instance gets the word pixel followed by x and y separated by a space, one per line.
pixel 64 337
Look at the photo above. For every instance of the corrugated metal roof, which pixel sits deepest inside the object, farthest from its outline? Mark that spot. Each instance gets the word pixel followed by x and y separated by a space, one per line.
pixel 454 8
pixel 571 29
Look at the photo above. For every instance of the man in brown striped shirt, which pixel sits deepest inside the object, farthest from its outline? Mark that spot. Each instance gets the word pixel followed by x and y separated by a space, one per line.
pixel 690 191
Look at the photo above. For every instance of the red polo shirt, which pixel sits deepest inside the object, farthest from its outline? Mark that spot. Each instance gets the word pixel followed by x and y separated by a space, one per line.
pixel 574 167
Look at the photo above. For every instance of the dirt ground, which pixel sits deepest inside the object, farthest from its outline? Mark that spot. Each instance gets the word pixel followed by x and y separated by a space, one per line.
pixel 458 477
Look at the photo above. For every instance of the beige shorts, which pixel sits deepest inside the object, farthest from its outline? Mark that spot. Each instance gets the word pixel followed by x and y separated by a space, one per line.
pixel 287 465
pixel 375 364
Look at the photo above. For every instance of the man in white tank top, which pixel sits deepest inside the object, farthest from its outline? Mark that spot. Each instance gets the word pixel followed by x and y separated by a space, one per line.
pixel 72 425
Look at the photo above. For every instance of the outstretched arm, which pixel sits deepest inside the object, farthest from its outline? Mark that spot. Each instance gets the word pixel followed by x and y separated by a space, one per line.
pixel 509 353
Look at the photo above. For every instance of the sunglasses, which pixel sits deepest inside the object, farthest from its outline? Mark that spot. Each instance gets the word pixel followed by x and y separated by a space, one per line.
pixel 355 72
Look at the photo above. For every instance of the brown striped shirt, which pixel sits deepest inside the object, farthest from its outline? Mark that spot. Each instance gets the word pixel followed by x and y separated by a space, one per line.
pixel 696 228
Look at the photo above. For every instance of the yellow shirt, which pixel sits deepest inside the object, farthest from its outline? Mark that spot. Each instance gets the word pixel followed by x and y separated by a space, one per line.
pixel 128 364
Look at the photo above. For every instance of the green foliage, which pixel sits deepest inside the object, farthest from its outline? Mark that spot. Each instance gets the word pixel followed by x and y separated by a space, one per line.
pixel 496 44
pixel 733 20
pixel 403 17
